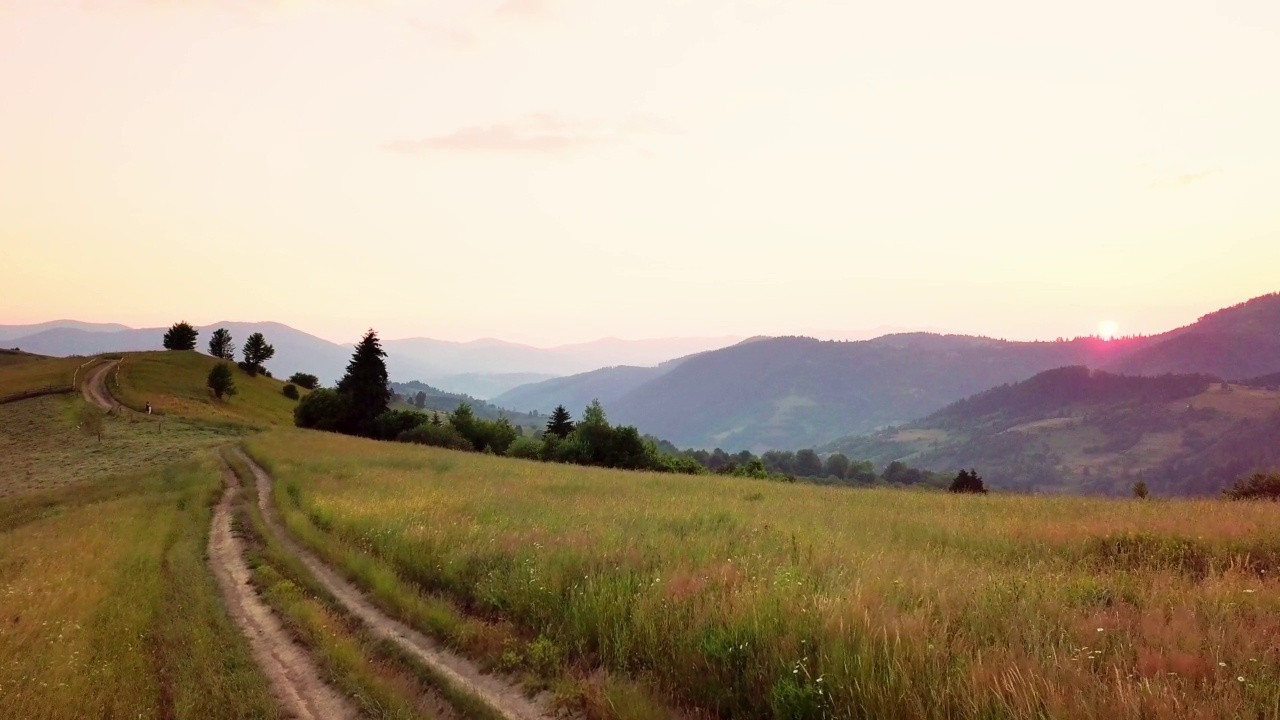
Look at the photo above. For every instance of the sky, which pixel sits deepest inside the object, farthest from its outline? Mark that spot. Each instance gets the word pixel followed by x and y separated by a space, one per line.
pixel 550 171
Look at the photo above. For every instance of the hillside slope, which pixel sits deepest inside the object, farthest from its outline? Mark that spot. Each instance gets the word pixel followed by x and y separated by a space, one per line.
pixel 175 385
pixel 575 392
pixel 1075 429
pixel 788 393
pixel 785 393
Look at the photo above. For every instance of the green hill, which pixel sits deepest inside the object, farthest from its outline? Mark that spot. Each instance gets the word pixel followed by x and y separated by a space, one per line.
pixel 175 384
pixel 1073 429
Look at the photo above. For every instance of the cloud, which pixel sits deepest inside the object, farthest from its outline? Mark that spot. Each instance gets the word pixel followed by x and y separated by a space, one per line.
pixel 1186 179
pixel 542 133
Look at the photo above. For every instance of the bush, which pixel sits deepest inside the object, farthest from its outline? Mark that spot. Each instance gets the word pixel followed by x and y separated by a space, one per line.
pixel 305 380
pixel 1140 490
pixel 525 449
pixel 390 424
pixel 249 368
pixel 290 391
pixel 1259 486
pixel 220 381
pixel 681 464
pixel 321 410
pixel 968 481
pixel 436 436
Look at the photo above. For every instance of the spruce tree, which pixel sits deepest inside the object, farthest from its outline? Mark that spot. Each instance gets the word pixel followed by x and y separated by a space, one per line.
pixel 220 345
pixel 968 481
pixel 180 336
pixel 256 352
pixel 364 387
pixel 560 424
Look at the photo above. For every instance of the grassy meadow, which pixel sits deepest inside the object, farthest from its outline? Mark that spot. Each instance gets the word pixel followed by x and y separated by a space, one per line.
pixel 42 448
pixel 107 608
pixel 21 372
pixel 175 384
pixel 752 599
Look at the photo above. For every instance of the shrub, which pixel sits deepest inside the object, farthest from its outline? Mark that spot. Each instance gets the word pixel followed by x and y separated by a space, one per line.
pixel 220 381
pixel 1259 486
pixel 1140 490
pixel 436 436
pixel 305 380
pixel 290 391
pixel 390 424
pixel 321 410
pixel 968 481
pixel 525 448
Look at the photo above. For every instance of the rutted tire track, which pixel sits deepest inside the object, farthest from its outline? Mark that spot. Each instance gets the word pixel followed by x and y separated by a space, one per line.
pixel 503 698
pixel 295 680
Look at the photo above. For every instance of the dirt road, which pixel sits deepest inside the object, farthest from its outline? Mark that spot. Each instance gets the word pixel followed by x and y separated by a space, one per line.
pixel 94 387
pixel 503 697
pixel 294 677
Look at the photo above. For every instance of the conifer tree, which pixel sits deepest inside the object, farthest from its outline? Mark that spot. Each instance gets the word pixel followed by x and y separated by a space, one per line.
pixel 256 352
pixel 560 424
pixel 364 386
pixel 968 481
pixel 180 336
pixel 220 345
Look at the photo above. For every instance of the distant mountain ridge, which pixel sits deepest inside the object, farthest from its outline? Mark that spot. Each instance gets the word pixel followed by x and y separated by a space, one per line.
pixel 1076 429
pixel 794 392
pixel 481 368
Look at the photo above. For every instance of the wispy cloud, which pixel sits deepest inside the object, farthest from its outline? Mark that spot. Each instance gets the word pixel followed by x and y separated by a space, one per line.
pixel 1186 179
pixel 539 133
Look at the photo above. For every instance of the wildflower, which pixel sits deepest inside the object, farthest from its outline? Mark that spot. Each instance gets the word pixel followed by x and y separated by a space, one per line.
pixel 1222 664
pixel 1101 629
pixel 1240 678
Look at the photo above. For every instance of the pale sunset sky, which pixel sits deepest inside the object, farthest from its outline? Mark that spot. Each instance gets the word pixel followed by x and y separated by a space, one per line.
pixel 550 171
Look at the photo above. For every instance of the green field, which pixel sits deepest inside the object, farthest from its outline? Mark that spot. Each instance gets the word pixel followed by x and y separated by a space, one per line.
pixel 752 599
pixel 22 372
pixel 174 384
pixel 108 607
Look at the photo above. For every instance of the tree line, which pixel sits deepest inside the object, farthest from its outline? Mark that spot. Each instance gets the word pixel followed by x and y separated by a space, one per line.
pixel 360 405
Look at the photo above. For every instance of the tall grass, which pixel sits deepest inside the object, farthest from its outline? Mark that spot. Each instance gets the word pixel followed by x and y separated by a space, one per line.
pixel 107 608
pixel 751 599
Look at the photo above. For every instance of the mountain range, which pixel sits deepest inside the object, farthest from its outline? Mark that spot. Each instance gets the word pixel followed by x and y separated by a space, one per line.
pixel 795 392
pixel 480 368
pixel 1076 429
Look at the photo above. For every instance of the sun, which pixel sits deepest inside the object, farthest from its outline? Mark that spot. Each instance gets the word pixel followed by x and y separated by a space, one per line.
pixel 1107 329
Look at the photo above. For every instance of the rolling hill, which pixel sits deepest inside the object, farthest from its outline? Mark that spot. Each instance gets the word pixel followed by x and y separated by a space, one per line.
pixel 789 393
pixel 1076 429
pixel 482 368
pixel 577 391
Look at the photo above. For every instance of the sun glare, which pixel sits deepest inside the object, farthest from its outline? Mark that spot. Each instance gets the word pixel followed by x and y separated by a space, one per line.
pixel 1106 329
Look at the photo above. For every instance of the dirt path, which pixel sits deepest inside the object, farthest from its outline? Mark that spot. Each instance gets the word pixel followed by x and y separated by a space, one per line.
pixel 94 386
pixel 294 677
pixel 499 695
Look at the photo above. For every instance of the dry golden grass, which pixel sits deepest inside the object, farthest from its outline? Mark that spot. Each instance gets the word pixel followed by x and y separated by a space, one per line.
pixel 752 599
pixel 30 372
pixel 43 450
pixel 107 608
